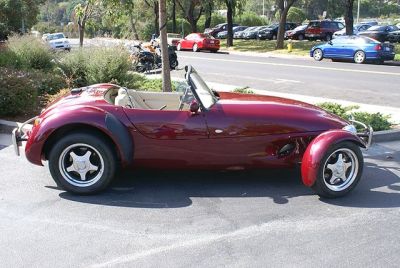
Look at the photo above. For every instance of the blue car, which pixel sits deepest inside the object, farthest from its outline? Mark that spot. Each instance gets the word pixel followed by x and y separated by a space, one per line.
pixel 357 48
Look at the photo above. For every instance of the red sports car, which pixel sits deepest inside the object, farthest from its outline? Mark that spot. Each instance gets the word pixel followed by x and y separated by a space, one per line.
pixel 197 42
pixel 87 134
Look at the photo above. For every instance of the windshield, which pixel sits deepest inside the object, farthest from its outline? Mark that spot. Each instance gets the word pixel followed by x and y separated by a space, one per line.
pixel 377 28
pixel 200 88
pixel 301 27
pixel 55 36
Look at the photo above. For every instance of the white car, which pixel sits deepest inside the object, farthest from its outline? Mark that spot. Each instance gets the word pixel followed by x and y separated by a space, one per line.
pixel 58 41
pixel 356 29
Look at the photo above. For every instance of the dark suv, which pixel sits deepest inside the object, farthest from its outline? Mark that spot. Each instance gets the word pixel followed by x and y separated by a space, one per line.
pixel 271 32
pixel 218 28
pixel 322 29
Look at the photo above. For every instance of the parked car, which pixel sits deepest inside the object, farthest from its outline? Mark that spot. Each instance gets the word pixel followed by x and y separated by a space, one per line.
pixel 358 28
pixel 253 34
pixel 271 32
pixel 297 33
pixel 44 36
pixel 240 34
pixel 379 32
pixel 224 34
pixel 357 48
pixel 322 29
pixel 58 41
pixel 90 132
pixel 218 28
pixel 197 42
pixel 394 36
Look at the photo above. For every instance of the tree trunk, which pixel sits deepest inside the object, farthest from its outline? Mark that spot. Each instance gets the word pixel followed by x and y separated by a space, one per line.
pixel 174 16
pixel 348 17
pixel 207 23
pixel 166 75
pixel 281 29
pixel 229 18
pixel 156 18
pixel 81 34
pixel 133 26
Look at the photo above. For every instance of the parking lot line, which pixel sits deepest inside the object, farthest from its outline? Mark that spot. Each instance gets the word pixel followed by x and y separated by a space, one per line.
pixel 294 65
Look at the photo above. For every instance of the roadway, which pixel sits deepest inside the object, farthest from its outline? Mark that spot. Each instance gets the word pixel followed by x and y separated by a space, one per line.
pixel 366 83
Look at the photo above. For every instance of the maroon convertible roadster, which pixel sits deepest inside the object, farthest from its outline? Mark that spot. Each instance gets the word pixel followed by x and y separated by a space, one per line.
pixel 93 130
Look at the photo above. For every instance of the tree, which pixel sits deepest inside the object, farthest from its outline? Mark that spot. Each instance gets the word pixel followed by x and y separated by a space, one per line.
pixel 116 8
pixel 155 6
pixel 83 13
pixel 166 75
pixel 192 9
pixel 229 18
pixel 208 7
pixel 284 6
pixel 348 16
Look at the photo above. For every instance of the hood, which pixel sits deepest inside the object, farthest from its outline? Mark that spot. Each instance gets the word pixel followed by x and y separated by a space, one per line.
pixel 274 115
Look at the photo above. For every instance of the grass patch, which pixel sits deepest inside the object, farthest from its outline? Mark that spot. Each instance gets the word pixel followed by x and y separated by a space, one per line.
pixel 301 48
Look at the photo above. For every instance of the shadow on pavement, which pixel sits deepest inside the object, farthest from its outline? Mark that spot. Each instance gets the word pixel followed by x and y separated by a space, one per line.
pixel 174 189
pixel 378 188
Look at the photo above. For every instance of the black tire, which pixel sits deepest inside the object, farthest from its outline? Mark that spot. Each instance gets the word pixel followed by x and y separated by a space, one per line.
pixel 101 156
pixel 195 48
pixel 324 188
pixel 173 64
pixel 300 37
pixel 359 57
pixel 178 47
pixel 274 37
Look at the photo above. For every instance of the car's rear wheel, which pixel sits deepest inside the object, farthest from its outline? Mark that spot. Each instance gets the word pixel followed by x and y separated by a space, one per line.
pixel 178 47
pixel 300 37
pixel 318 55
pixel 340 170
pixel 82 163
pixel 274 37
pixel 359 57
pixel 195 48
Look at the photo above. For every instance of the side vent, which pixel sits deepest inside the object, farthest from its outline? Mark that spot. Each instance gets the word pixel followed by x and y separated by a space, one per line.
pixel 286 150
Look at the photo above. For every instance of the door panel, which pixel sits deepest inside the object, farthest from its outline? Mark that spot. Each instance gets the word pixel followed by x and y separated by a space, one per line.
pixel 168 125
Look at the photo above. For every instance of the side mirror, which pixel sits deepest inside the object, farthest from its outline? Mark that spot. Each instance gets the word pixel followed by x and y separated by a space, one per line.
pixel 194 107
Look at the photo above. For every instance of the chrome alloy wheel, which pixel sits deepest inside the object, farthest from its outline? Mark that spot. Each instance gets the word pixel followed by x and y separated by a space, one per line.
pixel 359 57
pixel 317 55
pixel 340 169
pixel 81 165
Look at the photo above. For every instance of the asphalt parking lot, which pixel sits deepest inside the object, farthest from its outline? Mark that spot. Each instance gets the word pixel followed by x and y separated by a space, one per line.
pixel 200 219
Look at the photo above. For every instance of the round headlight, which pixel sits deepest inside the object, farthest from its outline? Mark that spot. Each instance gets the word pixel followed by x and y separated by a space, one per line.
pixel 350 128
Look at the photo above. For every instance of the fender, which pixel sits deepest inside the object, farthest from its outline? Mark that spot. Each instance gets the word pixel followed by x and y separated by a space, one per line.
pixel 317 149
pixel 93 117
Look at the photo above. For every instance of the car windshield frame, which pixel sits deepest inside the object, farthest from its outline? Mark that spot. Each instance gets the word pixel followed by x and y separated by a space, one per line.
pixel 51 37
pixel 203 94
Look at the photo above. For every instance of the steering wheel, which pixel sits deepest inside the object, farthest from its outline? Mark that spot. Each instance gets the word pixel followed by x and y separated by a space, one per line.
pixel 183 97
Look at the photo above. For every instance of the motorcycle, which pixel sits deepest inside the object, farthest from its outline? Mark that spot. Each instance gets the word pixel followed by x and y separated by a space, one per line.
pixel 146 60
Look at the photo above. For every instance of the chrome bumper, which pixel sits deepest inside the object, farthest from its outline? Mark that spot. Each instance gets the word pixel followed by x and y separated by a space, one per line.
pixel 19 135
pixel 366 134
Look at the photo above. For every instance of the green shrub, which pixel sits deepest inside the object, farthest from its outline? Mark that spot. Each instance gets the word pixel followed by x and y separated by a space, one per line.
pixel 8 58
pixel 18 93
pixel 244 90
pixel 250 19
pixel 140 82
pixel 96 65
pixel 377 121
pixel 48 83
pixel 31 52
pixel 74 68
pixel 296 14
pixel 339 110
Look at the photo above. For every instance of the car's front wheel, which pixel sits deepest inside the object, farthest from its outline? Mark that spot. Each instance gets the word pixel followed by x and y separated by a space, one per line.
pixel 82 163
pixel 179 47
pixel 340 170
pixel 318 55
pixel 359 57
